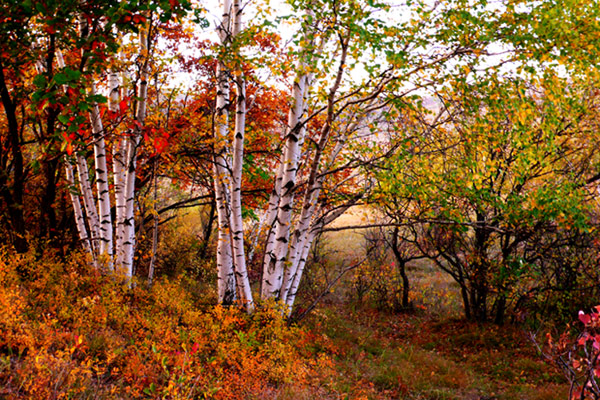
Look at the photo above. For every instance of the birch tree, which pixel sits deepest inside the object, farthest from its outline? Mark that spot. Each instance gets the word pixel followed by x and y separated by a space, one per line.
pixel 222 165
pixel 319 32
pixel 233 282
pixel 98 216
pixel 127 240
pixel 284 258
pixel 112 241
pixel 329 118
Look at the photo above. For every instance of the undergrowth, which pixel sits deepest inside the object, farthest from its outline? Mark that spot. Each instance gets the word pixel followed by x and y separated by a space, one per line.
pixel 69 331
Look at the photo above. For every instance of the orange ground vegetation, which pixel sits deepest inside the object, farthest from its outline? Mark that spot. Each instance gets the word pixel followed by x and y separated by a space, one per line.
pixel 67 331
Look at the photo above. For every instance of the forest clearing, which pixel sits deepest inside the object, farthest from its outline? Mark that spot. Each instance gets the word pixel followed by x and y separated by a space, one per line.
pixel 300 199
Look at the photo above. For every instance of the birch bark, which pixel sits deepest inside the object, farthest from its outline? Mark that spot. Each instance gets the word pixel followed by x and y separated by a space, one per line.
pixel 79 217
pixel 315 229
pixel 302 239
pixel 277 249
pixel 119 168
pixel 88 201
pixel 128 223
pixel 106 227
pixel 91 245
pixel 239 256
pixel 271 213
pixel 225 270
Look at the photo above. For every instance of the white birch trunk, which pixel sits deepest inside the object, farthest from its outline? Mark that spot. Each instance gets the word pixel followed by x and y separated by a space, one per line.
pixel 106 227
pixel 271 212
pixel 79 217
pixel 275 196
pixel 299 239
pixel 274 259
pixel 88 201
pixel 302 238
pixel 314 185
pixel 295 282
pixel 119 167
pixel 126 263
pixel 77 210
pixel 316 227
pixel 225 269
pixel 239 256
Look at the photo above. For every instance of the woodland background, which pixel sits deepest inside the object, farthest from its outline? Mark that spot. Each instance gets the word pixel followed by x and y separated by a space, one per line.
pixel 318 198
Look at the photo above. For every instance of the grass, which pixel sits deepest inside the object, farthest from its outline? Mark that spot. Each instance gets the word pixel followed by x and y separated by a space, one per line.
pixel 382 356
pixel 431 353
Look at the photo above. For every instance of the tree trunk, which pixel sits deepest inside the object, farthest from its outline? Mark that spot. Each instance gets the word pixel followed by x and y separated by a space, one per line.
pixel 119 153
pixel 48 217
pixel 297 277
pixel 401 268
pixel 88 201
pixel 79 217
pixel 154 230
pixel 301 237
pixel 237 232
pixel 106 227
pixel 500 307
pixel 466 303
pixel 273 266
pixel 14 197
pixel 128 222
pixel 226 276
pixel 207 230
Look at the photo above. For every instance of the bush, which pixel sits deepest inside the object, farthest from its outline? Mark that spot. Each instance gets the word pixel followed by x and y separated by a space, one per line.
pixel 579 357
pixel 69 331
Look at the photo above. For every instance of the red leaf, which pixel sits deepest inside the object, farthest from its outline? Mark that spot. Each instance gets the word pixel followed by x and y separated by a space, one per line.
pixel 586 319
pixel 123 106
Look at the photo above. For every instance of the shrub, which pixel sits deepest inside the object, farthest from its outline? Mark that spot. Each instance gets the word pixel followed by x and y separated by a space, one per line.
pixel 579 357
pixel 69 331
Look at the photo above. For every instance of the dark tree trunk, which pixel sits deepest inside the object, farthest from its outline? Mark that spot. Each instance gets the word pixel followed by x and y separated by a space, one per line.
pixel 14 197
pixel 401 261
pixel 466 303
pixel 208 230
pixel 405 285
pixel 500 307
pixel 478 301
pixel 48 217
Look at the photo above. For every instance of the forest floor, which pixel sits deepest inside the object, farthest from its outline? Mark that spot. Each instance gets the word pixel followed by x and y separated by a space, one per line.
pixel 430 353
pixel 423 356
pixel 69 331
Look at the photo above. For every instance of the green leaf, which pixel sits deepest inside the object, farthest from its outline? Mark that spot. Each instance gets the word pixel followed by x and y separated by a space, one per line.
pixel 97 98
pixel 60 78
pixel 39 81
pixel 72 75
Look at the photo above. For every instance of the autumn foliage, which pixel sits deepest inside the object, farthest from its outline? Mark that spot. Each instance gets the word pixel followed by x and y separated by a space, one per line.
pixel 68 331
pixel 578 356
